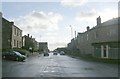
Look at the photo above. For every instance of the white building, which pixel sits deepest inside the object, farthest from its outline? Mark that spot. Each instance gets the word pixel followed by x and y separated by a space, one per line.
pixel 16 37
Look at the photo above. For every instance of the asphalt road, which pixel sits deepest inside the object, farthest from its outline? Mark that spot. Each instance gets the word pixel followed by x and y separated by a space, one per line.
pixel 57 66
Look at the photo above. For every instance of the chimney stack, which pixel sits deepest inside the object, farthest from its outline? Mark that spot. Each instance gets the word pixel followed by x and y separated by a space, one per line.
pixel 88 28
pixel 28 35
pixel 12 23
pixel 98 21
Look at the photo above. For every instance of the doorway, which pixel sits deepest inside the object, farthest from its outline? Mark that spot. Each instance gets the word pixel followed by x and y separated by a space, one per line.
pixel 104 51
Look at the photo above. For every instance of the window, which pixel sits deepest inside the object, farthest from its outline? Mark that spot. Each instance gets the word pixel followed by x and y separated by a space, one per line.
pixel 14 42
pixel 87 36
pixel 17 32
pixel 23 41
pixel 104 52
pixel 14 30
pixel 17 43
pixel 20 33
pixel 20 44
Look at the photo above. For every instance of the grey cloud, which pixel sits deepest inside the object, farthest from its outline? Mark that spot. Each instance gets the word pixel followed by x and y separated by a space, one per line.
pixel 88 14
pixel 28 27
pixel 39 21
pixel 38 15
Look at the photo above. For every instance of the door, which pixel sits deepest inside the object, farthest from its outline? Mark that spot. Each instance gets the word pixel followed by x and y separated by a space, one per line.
pixel 104 51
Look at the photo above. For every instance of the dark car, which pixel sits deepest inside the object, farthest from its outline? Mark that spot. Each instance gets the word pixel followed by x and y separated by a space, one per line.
pixel 46 54
pixel 13 55
pixel 62 53
pixel 55 53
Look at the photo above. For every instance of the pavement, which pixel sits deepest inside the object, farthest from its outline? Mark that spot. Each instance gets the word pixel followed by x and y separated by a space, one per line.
pixel 38 65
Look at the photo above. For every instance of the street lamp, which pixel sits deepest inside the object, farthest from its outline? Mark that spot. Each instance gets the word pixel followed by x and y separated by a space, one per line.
pixel 72 32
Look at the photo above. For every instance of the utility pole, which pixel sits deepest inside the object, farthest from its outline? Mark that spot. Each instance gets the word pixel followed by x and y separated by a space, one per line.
pixel 71 32
pixel 75 34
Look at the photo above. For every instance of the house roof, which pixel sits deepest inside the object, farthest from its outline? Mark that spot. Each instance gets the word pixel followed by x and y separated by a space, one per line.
pixel 113 21
pixel 17 27
pixel 12 23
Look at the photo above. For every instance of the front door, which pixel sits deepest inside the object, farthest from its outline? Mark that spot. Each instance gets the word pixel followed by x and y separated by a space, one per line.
pixel 104 51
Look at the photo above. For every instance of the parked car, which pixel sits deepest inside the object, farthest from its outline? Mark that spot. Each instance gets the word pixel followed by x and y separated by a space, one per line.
pixel 46 54
pixel 62 53
pixel 14 55
pixel 4 53
pixel 22 51
pixel 55 53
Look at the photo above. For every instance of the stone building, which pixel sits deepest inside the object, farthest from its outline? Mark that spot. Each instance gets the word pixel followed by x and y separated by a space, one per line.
pixel 43 47
pixel 16 37
pixel 100 41
pixel 72 46
pixel 106 44
pixel 11 35
pixel 27 42
pixel 6 34
pixel 35 44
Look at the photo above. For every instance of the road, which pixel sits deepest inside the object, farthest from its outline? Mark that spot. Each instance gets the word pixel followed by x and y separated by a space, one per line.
pixel 57 66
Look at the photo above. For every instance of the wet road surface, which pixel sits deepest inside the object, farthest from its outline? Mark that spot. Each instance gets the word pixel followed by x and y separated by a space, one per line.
pixel 57 66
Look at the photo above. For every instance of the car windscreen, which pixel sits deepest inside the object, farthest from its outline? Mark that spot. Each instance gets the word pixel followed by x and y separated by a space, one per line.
pixel 17 53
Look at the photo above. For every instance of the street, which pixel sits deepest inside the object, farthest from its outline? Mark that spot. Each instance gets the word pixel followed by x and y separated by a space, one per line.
pixel 57 66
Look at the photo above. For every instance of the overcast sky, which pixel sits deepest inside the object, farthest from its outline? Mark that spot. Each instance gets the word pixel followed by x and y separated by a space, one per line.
pixel 50 21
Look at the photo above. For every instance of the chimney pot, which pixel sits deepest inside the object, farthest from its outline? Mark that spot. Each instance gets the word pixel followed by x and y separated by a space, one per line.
pixel 99 21
pixel 28 35
pixel 88 28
